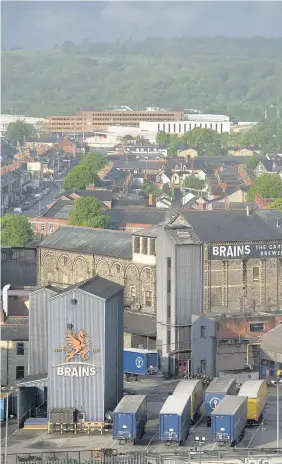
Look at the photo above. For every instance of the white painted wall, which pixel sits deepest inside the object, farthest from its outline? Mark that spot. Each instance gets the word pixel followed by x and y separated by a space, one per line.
pixel 181 127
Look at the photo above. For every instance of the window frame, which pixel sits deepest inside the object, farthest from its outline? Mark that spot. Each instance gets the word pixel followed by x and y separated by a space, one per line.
pixel 256 278
pixel 257 324
pixel 20 347
pixel 18 377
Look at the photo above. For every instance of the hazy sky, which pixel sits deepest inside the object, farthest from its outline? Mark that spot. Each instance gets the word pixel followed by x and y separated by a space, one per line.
pixel 40 24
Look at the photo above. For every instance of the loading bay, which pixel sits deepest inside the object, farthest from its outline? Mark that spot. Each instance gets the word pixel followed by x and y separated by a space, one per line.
pixel 157 390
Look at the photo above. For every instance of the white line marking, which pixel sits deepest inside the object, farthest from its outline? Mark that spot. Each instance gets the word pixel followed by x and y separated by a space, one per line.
pixel 261 424
pixel 151 440
pixel 198 421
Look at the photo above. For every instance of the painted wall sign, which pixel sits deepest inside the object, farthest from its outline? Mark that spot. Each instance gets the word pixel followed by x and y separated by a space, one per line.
pixel 245 251
pixel 77 349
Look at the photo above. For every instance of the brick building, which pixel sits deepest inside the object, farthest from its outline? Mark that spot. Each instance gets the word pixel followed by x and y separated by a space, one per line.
pixel 73 254
pixel 87 121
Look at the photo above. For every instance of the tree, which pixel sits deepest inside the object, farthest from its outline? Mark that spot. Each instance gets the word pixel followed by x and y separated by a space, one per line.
pixel 167 190
pixel 162 139
pixel 85 173
pixel 78 178
pixel 193 182
pixel 88 212
pixel 267 186
pixel 252 163
pixel 277 204
pixel 149 189
pixel 15 230
pixel 20 131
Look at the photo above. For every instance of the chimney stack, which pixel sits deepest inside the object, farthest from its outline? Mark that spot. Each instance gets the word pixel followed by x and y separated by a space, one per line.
pixel 151 199
pixel 248 210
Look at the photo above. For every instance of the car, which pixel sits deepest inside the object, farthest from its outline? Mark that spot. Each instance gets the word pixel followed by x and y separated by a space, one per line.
pixel 27 205
pixel 46 191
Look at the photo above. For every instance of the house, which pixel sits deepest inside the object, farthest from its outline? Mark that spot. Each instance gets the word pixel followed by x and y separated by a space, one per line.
pixel 13 180
pixel 37 142
pixel 73 148
pixel 164 176
pixel 242 152
pixel 146 150
pixel 163 201
pixel 187 152
pixel 267 166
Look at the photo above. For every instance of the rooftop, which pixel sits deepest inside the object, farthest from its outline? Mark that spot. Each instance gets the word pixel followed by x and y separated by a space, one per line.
pixel 97 286
pixel 235 226
pixel 103 242
pixel 14 332
pixel 229 405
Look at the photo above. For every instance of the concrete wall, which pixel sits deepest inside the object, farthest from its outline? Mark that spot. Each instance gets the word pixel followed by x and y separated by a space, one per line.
pixel 203 345
pixel 10 360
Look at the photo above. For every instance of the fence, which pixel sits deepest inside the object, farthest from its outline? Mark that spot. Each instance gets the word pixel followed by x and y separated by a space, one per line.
pixel 111 456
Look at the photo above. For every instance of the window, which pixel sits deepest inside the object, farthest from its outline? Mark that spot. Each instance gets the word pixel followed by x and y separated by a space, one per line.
pixel 203 366
pixel 148 273
pixel 3 256
pixel 15 254
pixel 20 349
pixel 168 286
pixel 65 261
pixel 168 311
pixel 118 268
pixel 19 372
pixel 133 293
pixel 203 331
pixel 51 228
pixel 257 327
pixel 42 228
pixel 256 273
pixel 169 263
pixel 168 339
pixel 136 244
pixel 148 298
pixel 144 245
pixel 244 277
pixel 152 246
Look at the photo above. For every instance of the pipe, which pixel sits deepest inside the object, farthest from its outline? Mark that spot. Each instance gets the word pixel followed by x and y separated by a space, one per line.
pixel 5 298
pixel 250 344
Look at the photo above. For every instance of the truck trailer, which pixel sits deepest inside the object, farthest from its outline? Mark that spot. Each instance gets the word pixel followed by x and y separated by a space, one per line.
pixel 174 419
pixel 216 391
pixel 229 419
pixel 192 388
pixel 130 418
pixel 256 392
pixel 140 362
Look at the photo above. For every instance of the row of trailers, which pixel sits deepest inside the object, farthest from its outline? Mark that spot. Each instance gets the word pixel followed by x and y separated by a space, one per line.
pixel 226 412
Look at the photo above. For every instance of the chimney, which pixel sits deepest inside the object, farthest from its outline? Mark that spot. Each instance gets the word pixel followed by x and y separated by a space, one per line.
pixel 247 210
pixel 151 200
pixel 2 318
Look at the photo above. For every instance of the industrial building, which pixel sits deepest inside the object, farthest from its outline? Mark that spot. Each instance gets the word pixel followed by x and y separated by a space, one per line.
pixel 76 350
pixel 86 121
pixel 218 123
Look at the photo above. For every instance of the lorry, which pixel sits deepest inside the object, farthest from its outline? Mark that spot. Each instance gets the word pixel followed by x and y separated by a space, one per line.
pixel 256 392
pixel 130 418
pixel 194 389
pixel 216 391
pixel 175 419
pixel 229 419
pixel 140 361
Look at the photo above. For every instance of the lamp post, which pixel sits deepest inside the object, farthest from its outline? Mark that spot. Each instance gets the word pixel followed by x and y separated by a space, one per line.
pixel 200 440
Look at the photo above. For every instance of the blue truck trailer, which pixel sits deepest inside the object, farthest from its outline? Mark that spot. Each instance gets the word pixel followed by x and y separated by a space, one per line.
pixel 216 391
pixel 229 419
pixel 140 362
pixel 130 418
pixel 175 419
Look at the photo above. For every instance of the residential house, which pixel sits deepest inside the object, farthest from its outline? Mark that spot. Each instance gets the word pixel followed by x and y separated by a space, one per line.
pixel 164 176
pixel 38 142
pixel 267 166
pixel 14 178
pixel 187 152
pixel 242 152
pixel 146 150
pixel 71 147
pixel 163 201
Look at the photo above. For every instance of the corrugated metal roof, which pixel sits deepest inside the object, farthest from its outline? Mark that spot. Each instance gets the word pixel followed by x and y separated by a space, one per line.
pixel 218 385
pixel 130 404
pixel 174 404
pixel 91 241
pixel 187 386
pixel 229 405
pixel 250 388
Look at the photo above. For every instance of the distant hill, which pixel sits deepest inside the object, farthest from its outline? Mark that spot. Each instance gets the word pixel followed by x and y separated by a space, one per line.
pixel 241 77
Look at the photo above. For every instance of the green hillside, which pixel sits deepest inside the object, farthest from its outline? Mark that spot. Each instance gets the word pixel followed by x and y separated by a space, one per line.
pixel 241 77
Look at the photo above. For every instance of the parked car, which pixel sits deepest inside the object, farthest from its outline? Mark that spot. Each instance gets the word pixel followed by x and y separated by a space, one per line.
pixel 46 191
pixel 26 205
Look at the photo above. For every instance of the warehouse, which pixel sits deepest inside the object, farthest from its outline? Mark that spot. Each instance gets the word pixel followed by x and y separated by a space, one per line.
pixel 214 262
pixel 76 347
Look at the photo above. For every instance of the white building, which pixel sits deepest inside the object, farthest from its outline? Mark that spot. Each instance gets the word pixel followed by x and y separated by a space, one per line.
pixel 218 123
pixel 6 119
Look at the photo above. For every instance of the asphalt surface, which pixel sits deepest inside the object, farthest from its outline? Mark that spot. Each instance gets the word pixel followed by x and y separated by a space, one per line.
pixel 157 390
pixel 40 205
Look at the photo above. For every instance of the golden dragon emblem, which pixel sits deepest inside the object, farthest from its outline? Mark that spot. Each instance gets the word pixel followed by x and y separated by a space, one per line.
pixel 76 344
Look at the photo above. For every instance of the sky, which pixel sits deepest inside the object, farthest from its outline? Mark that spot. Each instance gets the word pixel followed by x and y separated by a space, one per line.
pixel 41 25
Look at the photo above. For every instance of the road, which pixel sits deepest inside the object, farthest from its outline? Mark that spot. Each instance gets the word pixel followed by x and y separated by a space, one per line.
pixel 34 211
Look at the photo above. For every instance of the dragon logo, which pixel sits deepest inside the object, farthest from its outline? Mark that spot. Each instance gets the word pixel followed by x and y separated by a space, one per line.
pixel 77 344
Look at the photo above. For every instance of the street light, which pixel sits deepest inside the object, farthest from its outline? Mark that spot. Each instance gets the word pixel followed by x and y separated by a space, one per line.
pixel 200 440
